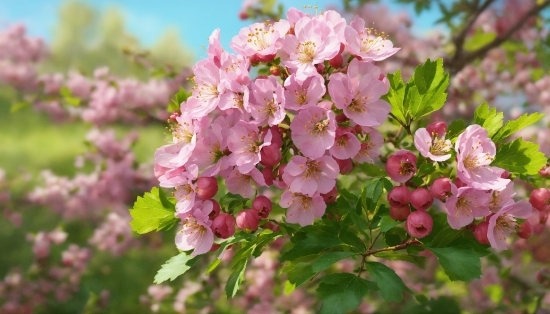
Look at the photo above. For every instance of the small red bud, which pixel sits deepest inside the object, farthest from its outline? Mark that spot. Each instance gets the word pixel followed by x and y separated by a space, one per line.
pixel 331 196
pixel 270 155
pixel 337 61
pixel 441 188
pixel 346 165
pixel 223 226
pixel 275 70
pixel 267 172
pixel 243 15
pixel 207 187
pixel 262 205
pixel 525 230
pixel 459 183
pixel 437 128
pixel 480 232
pixel 421 199
pixel 540 199
pixel 419 224
pixel 247 220
pixel 401 165
pixel 215 247
pixel 216 209
pixel 400 213
pixel 399 196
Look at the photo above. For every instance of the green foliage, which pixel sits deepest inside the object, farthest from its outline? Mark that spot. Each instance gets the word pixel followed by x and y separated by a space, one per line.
pixel 312 244
pixel 513 126
pixel 423 94
pixel 478 40
pixel 175 267
pixel 489 119
pixel 520 157
pixel 176 101
pixel 435 306
pixel 342 292
pixel 390 284
pixel 455 128
pixel 328 259
pixel 243 255
pixel 153 211
pixel 460 262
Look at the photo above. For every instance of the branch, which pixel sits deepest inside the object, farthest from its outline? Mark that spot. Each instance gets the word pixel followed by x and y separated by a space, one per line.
pixel 401 246
pixel 460 38
pixel 460 60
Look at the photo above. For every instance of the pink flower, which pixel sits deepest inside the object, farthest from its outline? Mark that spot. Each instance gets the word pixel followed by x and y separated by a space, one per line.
pixel 196 234
pixel 302 209
pixel 261 39
pixel 178 176
pixel 503 223
pixel 313 131
pixel 209 153
pixel 242 183
pixel 206 92
pixel 267 101
pixel 184 137
pixel 311 176
pixel 432 146
pixel 346 144
pixel 372 141
pixel 366 43
pixel 499 198
pixel 358 93
pixel 313 43
pixel 185 198
pixel 465 204
pixel 475 151
pixel 215 48
pixel 302 95
pixel 244 141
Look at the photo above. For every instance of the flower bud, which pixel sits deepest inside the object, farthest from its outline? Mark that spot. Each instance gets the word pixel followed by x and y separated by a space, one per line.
pixel 441 188
pixel 320 68
pixel 421 199
pixel 262 205
pixel 214 247
pixel 281 170
pixel 270 155
pixel 524 231
pixel 331 196
pixel 480 232
pixel 399 196
pixel 400 212
pixel 207 187
pixel 247 220
pixel 540 199
pixel 401 165
pixel 419 224
pixel 216 209
pixel 275 70
pixel 243 15
pixel 506 174
pixel 459 183
pixel 346 165
pixel 267 172
pixel 337 61
pixel 223 226
pixel 437 128
pixel 341 118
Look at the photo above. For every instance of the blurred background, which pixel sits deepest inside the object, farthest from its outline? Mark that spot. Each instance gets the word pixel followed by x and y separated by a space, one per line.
pixel 84 87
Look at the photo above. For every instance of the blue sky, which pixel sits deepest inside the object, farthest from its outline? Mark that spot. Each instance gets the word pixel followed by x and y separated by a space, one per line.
pixel 194 19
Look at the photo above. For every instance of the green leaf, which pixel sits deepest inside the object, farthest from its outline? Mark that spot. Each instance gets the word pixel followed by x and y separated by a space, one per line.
pixel 478 40
pixel 390 284
pixel 387 223
pixel 153 211
pixel 372 170
pixel 460 262
pixel 520 157
pixel 349 237
pixel 175 267
pixel 455 128
pixel 176 101
pixel 442 234
pixel 513 126
pixel 489 119
pixel 20 105
pixel 328 259
pixel 395 256
pixel 342 293
pixel 297 274
pixel 313 244
pixel 396 96
pixel 426 91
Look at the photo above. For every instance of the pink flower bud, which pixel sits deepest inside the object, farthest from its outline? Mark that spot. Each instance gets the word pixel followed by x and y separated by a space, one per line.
pixel 331 196
pixel 524 231
pixel 266 58
pixel 400 212
pixel 437 128
pixel 262 205
pixel 399 196
pixel 243 15
pixel 341 118
pixel 441 188
pixel 459 183
pixel 421 199
pixel 401 165
pixel 320 68
pixel 545 171
pixel 223 226
pixel 267 172
pixel 506 174
pixel 274 69
pixel 540 199
pixel 480 232
pixel 247 220
pixel 214 247
pixel 216 209
pixel 270 155
pixel 342 47
pixel 419 224
pixel 207 187
pixel 337 61
pixel 346 165
pixel 271 226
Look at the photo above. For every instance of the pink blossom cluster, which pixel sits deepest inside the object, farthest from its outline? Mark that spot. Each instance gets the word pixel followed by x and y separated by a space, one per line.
pixel 479 189
pixel 297 129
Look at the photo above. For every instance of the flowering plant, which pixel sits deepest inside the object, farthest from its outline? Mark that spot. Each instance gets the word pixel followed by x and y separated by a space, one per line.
pixel 283 141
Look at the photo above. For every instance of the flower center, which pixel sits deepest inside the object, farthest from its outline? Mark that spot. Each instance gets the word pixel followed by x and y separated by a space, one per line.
pixel 260 37
pixel 357 105
pixel 312 169
pixel 440 147
pixel 306 51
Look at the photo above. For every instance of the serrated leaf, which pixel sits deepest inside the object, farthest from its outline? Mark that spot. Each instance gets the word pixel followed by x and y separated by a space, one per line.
pixel 350 238
pixel 442 234
pixel 513 126
pixel 390 284
pixel 426 91
pixel 395 256
pixel 461 262
pixel 328 259
pixel 520 157
pixel 311 245
pixel 396 96
pixel 489 119
pixel 150 212
pixel 342 293
pixel 455 128
pixel 387 223
pixel 372 170
pixel 297 274
pixel 175 267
